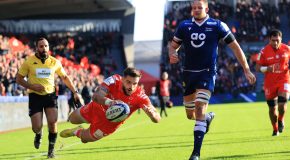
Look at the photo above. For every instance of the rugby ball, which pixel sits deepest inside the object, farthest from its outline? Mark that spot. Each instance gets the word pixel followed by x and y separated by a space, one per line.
pixel 118 112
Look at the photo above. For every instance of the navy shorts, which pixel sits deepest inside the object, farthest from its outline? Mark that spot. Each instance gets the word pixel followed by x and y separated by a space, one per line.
pixel 198 80
pixel 38 102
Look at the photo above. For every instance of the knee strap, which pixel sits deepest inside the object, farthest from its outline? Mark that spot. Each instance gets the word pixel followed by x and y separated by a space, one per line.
pixel 202 97
pixel 189 105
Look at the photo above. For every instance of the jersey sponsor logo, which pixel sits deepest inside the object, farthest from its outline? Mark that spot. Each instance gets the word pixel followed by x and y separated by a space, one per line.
pixel 43 72
pixel 211 23
pixel 189 28
pixel 109 80
pixel 197 36
pixel 269 58
pixel 208 29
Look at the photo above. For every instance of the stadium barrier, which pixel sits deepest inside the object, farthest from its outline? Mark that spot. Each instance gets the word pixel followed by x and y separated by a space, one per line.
pixel 14 112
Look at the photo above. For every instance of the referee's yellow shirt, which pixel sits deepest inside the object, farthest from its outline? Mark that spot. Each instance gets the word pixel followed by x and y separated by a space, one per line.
pixel 38 73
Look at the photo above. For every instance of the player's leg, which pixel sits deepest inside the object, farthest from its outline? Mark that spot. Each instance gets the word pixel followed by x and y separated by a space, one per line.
pixel 51 112
pixel 189 104
pixel 86 134
pixel 201 103
pixel 163 105
pixel 36 115
pixel 282 107
pixel 51 115
pixel 272 104
pixel 36 122
pixel 76 118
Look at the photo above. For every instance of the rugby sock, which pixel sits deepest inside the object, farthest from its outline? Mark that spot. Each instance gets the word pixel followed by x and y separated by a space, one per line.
pixel 52 139
pixel 207 117
pixel 275 126
pixel 281 117
pixel 199 131
pixel 78 132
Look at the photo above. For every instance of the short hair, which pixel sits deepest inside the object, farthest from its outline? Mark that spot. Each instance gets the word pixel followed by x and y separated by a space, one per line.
pixel 132 72
pixel 275 32
pixel 40 39
pixel 205 1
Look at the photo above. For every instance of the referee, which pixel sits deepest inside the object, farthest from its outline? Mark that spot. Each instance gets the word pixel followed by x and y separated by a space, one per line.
pixel 40 70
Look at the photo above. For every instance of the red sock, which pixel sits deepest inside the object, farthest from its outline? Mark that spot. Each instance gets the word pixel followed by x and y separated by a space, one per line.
pixel 78 132
pixel 275 126
pixel 281 117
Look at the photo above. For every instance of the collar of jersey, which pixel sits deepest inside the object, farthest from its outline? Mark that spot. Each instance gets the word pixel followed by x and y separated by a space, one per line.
pixel 200 24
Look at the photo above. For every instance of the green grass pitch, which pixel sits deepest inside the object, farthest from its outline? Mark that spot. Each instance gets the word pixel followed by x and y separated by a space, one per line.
pixel 239 131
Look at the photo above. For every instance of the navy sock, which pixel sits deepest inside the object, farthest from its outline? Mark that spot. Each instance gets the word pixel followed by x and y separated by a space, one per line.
pixel 52 139
pixel 199 131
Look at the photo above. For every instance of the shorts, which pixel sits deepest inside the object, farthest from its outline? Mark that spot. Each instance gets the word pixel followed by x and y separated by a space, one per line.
pixel 272 91
pixel 198 80
pixel 37 103
pixel 95 114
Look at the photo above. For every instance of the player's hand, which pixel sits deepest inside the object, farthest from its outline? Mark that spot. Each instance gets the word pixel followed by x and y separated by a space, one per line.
pixel 36 87
pixel 116 102
pixel 250 76
pixel 271 68
pixel 173 58
pixel 78 99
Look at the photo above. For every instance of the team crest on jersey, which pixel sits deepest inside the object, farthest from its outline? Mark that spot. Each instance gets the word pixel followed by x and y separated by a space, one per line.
pixel 197 36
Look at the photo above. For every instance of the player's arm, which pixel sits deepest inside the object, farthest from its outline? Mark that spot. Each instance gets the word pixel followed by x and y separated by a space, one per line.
pixel 233 44
pixel 151 112
pixel 263 69
pixel 21 81
pixel 173 48
pixel 68 82
pixel 100 96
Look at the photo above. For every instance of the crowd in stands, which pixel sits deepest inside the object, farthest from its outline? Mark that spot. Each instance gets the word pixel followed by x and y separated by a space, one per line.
pixel 253 20
pixel 86 59
pixel 284 7
pixel 230 77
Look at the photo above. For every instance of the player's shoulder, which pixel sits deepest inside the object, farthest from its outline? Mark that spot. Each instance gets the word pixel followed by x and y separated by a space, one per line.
pixel 140 93
pixel 31 58
pixel 285 47
pixel 114 79
pixel 186 22
pixel 54 60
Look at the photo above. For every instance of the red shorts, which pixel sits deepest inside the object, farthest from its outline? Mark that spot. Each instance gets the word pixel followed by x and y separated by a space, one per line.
pixel 272 91
pixel 95 114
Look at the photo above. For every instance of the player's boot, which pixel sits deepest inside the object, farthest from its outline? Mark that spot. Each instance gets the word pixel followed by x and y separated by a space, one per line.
pixel 69 132
pixel 194 157
pixel 275 133
pixel 37 140
pixel 50 153
pixel 280 126
pixel 209 120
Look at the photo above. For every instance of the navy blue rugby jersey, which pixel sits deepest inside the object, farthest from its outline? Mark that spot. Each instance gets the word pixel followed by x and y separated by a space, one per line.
pixel 201 43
